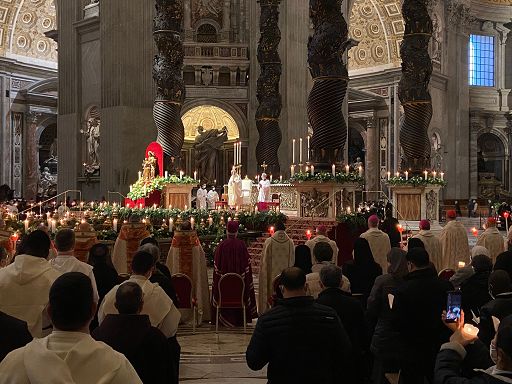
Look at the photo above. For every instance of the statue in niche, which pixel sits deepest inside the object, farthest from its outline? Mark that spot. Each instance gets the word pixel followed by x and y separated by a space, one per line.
pixel 358 163
pixel 209 7
pixel 92 135
pixel 47 183
pixel 436 157
pixel 436 47
pixel 206 147
pixel 206 76
pixel 53 150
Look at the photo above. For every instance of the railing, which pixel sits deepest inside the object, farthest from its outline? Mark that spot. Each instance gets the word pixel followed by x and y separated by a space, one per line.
pixel 41 203
pixel 115 193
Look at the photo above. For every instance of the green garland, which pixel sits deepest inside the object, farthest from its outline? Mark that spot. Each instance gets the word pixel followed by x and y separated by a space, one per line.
pixel 323 177
pixel 416 181
pixel 142 189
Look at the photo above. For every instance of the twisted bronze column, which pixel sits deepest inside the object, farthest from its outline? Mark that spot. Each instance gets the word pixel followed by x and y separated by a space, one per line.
pixel 167 66
pixel 325 57
pixel 269 98
pixel 413 87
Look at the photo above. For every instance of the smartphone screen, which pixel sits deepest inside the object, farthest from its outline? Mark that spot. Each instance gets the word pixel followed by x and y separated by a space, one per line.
pixel 454 306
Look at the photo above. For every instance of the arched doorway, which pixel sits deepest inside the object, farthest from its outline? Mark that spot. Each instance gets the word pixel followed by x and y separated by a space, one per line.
pixel 356 146
pixel 492 166
pixel 210 134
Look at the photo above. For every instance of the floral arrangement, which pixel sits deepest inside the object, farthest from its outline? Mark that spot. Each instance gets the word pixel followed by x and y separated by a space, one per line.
pixel 416 180
pixel 142 189
pixel 322 177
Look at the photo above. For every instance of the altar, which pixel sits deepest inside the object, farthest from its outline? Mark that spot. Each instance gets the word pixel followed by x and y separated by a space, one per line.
pixel 178 195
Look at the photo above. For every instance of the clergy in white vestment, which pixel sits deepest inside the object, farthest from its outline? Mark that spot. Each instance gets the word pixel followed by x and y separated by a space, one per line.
pixel 6 240
pixel 212 197
pixel 235 197
pixel 69 355
pixel 454 242
pixel 431 242
pixel 66 262
pixel 278 254
pixel 24 284
pixel 201 197
pixel 187 256
pixel 157 305
pixel 127 243
pixel 264 189
pixel 379 242
pixel 321 237
pixel 85 239
pixel 492 239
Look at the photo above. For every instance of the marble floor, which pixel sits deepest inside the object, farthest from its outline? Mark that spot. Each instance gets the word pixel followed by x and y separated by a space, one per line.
pixel 208 359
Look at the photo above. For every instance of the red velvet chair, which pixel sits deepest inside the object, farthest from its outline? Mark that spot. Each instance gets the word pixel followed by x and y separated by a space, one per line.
pixel 446 274
pixel 184 291
pixel 231 295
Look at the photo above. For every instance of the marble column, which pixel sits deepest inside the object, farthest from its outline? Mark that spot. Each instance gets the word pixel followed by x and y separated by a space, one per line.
pixel 31 166
pixel 187 20
pixel 226 21
pixel 372 170
pixel 508 130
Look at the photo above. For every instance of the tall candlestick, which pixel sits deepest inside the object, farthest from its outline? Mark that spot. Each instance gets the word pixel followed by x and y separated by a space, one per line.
pixel 333 168
pixel 300 150
pixel 240 154
pixel 309 138
pixel 293 151
pixel 234 153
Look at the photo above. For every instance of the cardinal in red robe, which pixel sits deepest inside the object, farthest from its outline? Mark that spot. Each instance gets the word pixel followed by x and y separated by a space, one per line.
pixel 232 256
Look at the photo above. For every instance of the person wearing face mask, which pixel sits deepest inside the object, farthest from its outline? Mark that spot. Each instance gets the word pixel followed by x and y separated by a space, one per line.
pixel 491 366
pixel 500 289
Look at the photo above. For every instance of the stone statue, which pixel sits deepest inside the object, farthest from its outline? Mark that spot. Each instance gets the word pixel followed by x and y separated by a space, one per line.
pixel 53 150
pixel 149 167
pixel 92 135
pixel 437 39
pixel 47 183
pixel 207 76
pixel 358 163
pixel 206 147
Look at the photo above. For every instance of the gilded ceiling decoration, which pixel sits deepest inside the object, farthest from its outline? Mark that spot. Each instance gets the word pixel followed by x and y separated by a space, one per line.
pixel 23 24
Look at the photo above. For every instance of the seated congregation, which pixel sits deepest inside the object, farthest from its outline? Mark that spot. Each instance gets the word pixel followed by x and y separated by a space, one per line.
pixel 377 318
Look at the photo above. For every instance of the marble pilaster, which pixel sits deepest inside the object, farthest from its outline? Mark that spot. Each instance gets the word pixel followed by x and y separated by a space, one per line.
pixel 372 170
pixel 31 166
pixel 226 21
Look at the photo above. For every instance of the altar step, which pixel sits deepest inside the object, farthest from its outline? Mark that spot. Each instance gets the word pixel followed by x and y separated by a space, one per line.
pixel 295 228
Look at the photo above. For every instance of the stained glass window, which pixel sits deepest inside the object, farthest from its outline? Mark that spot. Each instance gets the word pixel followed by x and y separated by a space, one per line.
pixel 481 60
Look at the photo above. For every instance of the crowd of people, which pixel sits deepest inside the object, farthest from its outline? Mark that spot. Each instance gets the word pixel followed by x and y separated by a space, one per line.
pixel 115 319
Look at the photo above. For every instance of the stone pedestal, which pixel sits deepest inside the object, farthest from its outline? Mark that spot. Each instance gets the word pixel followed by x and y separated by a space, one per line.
pixel 412 203
pixel 92 10
pixel 178 196
pixel 325 200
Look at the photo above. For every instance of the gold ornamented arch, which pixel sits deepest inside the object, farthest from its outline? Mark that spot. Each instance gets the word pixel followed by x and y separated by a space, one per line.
pixel 209 117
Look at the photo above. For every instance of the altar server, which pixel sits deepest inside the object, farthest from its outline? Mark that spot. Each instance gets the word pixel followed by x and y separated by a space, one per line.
pixel 127 243
pixel 201 196
pixel 454 242
pixel 492 239
pixel 432 244
pixel 187 256
pixel 379 242
pixel 69 354
pixel 278 254
pixel 212 197
pixel 24 284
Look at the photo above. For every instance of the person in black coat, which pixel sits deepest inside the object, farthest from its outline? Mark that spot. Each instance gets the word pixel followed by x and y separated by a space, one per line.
pixel 351 314
pixel 390 226
pixel 475 290
pixel 500 287
pixel 417 307
pixel 14 334
pixel 131 334
pixel 300 340
pixel 363 270
pixel 104 273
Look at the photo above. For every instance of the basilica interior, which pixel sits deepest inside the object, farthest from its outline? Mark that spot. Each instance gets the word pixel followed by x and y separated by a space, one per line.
pixel 79 90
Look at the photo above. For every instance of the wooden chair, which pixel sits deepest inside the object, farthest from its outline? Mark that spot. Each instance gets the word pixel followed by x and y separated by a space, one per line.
pixel 184 290
pixel 231 295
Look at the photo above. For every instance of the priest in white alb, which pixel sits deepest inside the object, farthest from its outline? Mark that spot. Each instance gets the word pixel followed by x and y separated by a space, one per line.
pixel 454 242
pixel 321 237
pixel 492 239
pixel 431 242
pixel 212 197
pixel 69 355
pixel 127 243
pixel 187 256
pixel 201 196
pixel 278 253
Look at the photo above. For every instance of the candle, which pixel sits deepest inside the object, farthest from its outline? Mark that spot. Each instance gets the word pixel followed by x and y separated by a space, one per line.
pixel 406 175
pixel 181 175
pixel 140 174
pixel 186 207
pixel 398 174
pixel 360 171
pixel 114 225
pixel 309 137
pixel 426 174
pixel 333 170
pixel 92 204
pixel 256 208
pixel 270 178
pixel 308 234
pixel 240 154
pixel 234 153
pixel 300 150
pixel 474 231
pixel 293 151
pixel 469 331
pixel 292 170
pixel 271 230
pixel 54 226
pixel 166 174
pixel 281 178
pixel 26 225
pixel 434 174
pixel 389 175
pixel 145 190
pixel 442 175
pixel 461 264
pixel 171 224
pixel 347 169
pixel 140 205
pixel 348 210
pixel 312 170
pixel 131 188
pixel 195 175
pixel 192 222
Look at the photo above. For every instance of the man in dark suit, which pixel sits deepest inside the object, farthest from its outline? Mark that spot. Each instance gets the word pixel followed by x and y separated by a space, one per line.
pixel 350 311
pixel 131 334
pixel 417 306
pixel 14 334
